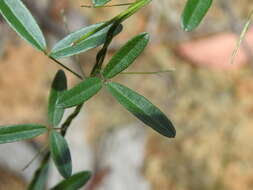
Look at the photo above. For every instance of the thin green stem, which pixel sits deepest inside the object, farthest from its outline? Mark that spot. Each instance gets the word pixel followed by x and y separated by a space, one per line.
pixel 36 156
pixel 65 67
pixel 133 8
pixel 242 37
pixel 146 73
pixel 105 6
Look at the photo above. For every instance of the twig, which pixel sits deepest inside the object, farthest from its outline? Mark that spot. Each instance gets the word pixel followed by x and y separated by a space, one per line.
pixel 65 67
pixel 106 6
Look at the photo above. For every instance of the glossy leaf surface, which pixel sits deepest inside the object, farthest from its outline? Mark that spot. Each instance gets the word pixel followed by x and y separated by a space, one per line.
pixel 194 12
pixel 65 47
pixel 80 93
pixel 126 55
pixel 21 20
pixel 58 86
pixel 60 154
pixel 142 108
pixel 75 182
pixel 20 132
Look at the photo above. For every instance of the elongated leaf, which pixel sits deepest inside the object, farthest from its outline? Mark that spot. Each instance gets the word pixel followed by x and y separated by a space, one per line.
pixel 99 2
pixel 194 12
pixel 21 20
pixel 80 93
pixel 142 108
pixel 20 132
pixel 40 177
pixel 126 55
pixel 58 86
pixel 65 47
pixel 60 154
pixel 74 182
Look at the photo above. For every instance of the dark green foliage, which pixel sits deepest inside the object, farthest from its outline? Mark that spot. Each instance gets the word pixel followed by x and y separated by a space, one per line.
pixel 60 154
pixel 89 37
pixel 65 47
pixel 14 133
pixel 40 177
pixel 194 12
pixel 21 20
pixel 142 108
pixel 80 93
pixel 126 55
pixel 75 182
pixel 58 86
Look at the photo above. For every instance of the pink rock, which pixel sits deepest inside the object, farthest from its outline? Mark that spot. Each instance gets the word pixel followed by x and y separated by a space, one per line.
pixel 216 51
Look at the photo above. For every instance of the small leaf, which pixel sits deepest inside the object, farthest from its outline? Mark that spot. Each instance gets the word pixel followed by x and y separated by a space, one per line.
pixel 60 154
pixel 40 177
pixel 65 47
pixel 193 13
pixel 21 20
pixel 20 132
pixel 58 86
pixel 126 55
pixel 75 182
pixel 80 93
pixel 98 3
pixel 142 108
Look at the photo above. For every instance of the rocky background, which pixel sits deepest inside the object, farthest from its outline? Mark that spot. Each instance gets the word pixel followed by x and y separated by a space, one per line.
pixel 209 100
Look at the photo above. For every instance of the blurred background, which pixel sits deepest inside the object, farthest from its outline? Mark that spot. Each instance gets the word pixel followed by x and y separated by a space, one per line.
pixel 208 99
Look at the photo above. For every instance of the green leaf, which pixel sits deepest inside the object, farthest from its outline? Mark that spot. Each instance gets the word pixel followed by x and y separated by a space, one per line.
pixel 74 182
pixel 60 154
pixel 65 47
pixel 58 86
pixel 20 132
pixel 80 93
pixel 98 3
pixel 40 177
pixel 21 20
pixel 126 55
pixel 193 13
pixel 142 108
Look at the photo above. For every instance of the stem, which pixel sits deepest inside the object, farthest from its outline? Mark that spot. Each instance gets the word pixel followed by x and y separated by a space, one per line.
pixel 242 37
pixel 146 73
pixel 36 156
pixel 70 118
pixel 65 67
pixel 102 53
pixel 133 8
pixel 105 6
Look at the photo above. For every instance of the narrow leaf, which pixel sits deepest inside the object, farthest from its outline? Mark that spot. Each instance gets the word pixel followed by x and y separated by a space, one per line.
pixel 80 93
pixel 194 12
pixel 98 3
pixel 65 47
pixel 58 86
pixel 21 20
pixel 126 55
pixel 75 182
pixel 242 37
pixel 40 177
pixel 20 132
pixel 142 108
pixel 60 154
